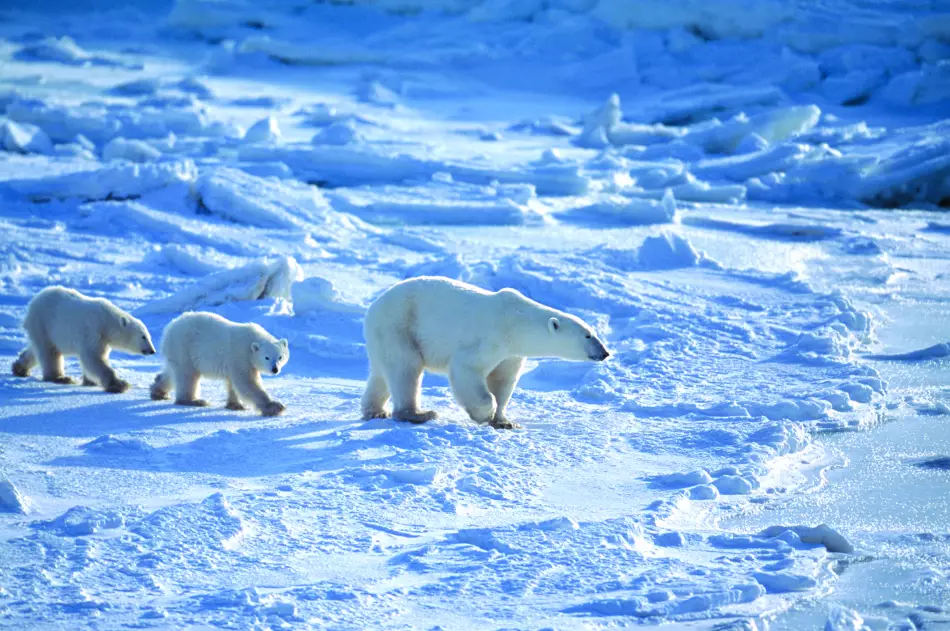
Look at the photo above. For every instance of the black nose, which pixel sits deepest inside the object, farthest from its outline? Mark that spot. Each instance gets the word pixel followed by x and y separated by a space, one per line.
pixel 150 351
pixel 274 370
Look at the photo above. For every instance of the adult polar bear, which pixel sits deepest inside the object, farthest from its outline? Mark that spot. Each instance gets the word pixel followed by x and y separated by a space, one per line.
pixel 479 338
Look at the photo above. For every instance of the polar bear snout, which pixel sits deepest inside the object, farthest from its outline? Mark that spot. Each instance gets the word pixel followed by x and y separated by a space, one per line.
pixel 148 351
pixel 275 369
pixel 596 351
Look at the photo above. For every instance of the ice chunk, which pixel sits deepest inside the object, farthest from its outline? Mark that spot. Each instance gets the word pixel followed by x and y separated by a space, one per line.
pixel 64 50
pixel 682 480
pixel 11 500
pixel 622 211
pixel 340 133
pixel 109 182
pixel 255 281
pixel 263 202
pixel 319 294
pixel 844 619
pixel 24 138
pixel 667 251
pixel 131 150
pixel 733 485
pixel 265 131
pixel 783 583
pixel 824 535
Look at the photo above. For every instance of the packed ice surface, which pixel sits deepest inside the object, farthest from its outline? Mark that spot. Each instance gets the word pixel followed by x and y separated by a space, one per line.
pixel 702 182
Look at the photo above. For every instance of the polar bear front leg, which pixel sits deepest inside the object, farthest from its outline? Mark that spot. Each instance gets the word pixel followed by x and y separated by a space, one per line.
pixel 95 366
pixel 501 383
pixel 470 389
pixel 249 387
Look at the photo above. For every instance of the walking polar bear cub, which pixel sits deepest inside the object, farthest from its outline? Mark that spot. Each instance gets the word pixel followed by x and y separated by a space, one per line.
pixel 199 345
pixel 61 321
pixel 478 338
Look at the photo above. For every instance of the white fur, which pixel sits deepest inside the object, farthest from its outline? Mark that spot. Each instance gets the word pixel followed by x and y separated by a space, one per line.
pixel 61 321
pixel 478 338
pixel 201 344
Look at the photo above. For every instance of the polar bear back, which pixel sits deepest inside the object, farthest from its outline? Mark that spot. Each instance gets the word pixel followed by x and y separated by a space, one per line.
pixel 70 320
pixel 440 317
pixel 210 344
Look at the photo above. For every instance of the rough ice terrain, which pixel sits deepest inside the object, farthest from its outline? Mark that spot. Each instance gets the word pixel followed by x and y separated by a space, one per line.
pixel 744 198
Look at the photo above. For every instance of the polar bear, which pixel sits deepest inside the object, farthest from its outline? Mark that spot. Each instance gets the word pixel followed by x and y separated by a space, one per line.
pixel 479 338
pixel 61 321
pixel 200 344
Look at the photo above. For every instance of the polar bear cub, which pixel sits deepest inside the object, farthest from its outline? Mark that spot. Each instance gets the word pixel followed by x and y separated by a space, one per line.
pixel 478 338
pixel 61 321
pixel 197 345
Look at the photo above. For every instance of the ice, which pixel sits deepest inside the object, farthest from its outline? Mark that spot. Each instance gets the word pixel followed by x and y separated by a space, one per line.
pixel 64 50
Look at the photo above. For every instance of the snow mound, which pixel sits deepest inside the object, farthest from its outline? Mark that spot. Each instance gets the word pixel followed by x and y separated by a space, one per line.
pixel 622 211
pixel 339 133
pixel 254 281
pixel 79 521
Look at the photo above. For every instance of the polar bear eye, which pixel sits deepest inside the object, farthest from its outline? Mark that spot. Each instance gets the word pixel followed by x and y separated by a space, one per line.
pixel 267 358
pixel 587 336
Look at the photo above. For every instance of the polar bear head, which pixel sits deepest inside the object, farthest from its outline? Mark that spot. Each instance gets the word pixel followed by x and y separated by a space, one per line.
pixel 575 340
pixel 132 336
pixel 269 356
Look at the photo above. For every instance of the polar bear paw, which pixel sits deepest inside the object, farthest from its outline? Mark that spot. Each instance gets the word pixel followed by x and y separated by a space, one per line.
pixel 197 403
pixel 117 386
pixel 274 408
pixel 235 405
pixel 20 369
pixel 503 423
pixel 62 379
pixel 415 416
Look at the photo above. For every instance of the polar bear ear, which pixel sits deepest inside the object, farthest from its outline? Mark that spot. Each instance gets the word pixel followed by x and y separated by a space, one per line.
pixel 283 342
pixel 553 325
pixel 255 347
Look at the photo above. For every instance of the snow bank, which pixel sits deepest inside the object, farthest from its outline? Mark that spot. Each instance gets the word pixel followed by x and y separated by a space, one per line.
pixel 254 281
pixel 823 535
pixel 130 150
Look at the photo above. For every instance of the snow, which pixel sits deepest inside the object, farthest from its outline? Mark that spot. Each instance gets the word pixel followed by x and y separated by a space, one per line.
pixel 743 198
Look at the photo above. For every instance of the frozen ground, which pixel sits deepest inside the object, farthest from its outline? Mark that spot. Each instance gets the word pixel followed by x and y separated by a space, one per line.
pixel 744 198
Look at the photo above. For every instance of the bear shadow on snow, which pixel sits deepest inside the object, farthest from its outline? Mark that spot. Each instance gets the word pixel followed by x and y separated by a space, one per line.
pixel 245 452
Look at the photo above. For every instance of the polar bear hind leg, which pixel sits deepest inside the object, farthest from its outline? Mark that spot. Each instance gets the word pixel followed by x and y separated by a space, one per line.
pixel 373 404
pixel 51 360
pixel 501 383
pixel 404 377
pixel 186 387
pixel 24 363
pixel 470 388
